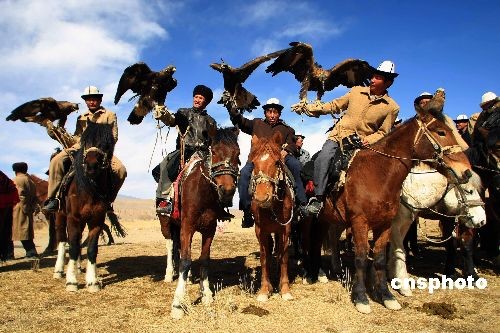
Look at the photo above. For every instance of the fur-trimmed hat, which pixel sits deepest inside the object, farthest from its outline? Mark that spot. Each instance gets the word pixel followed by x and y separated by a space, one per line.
pixel 20 167
pixel 204 91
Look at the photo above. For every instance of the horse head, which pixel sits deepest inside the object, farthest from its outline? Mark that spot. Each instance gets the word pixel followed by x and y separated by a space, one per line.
pixel 224 163
pixel 435 141
pixel 464 201
pixel 94 156
pixel 268 169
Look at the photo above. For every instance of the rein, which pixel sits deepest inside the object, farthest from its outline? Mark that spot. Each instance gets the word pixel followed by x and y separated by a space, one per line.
pixel 440 150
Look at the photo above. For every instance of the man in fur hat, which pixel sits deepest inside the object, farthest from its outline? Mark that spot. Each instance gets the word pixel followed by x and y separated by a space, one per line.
pixel 196 128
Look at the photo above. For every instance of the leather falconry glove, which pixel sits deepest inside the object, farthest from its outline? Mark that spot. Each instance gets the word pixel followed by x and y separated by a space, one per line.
pixel 306 108
pixel 160 112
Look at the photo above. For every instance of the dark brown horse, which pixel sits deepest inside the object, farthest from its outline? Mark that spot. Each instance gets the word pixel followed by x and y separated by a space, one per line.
pixel 369 199
pixel 86 203
pixel 272 208
pixel 208 185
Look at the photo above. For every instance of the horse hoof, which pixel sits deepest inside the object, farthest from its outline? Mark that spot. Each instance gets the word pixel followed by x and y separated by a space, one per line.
pixel 287 297
pixel 168 278
pixel 206 300
pixel 322 279
pixel 93 288
pixel 71 287
pixel 262 297
pixel 363 308
pixel 176 313
pixel 58 275
pixel 392 304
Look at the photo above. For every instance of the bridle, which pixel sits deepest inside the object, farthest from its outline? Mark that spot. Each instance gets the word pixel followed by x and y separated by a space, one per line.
pixel 105 160
pixel 279 176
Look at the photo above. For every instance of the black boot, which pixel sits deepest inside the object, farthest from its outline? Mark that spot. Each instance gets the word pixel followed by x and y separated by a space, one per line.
pixel 51 205
pixel 164 207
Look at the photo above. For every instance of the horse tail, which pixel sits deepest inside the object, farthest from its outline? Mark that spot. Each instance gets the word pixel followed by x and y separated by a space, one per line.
pixel 116 226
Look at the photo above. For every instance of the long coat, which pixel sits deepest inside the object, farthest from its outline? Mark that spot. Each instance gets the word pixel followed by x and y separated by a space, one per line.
pixel 22 224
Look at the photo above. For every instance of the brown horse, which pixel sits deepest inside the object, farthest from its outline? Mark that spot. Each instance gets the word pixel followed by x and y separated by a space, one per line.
pixel 208 186
pixel 86 203
pixel 272 208
pixel 369 199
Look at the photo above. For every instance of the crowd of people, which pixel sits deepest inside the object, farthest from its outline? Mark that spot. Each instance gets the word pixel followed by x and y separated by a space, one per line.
pixel 368 115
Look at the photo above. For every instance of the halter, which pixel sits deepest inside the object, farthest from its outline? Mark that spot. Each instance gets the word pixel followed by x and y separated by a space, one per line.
pixel 440 150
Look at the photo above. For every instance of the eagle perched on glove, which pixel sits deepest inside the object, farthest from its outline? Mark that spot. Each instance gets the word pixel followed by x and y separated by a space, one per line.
pixel 43 109
pixel 299 60
pixel 151 87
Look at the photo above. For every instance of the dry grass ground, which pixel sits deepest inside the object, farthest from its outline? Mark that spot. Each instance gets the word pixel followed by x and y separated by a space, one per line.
pixel 136 299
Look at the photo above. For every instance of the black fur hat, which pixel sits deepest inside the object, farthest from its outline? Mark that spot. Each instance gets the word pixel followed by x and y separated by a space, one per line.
pixel 20 167
pixel 204 91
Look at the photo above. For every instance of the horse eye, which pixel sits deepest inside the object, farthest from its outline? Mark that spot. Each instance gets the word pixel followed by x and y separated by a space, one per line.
pixel 441 133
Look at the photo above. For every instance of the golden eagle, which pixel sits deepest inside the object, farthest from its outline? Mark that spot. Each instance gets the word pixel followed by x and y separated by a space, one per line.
pixel 151 87
pixel 299 60
pixel 235 95
pixel 42 109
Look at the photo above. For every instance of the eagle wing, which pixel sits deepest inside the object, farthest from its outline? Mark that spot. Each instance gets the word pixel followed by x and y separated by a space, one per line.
pixel 135 78
pixel 297 60
pixel 247 69
pixel 36 110
pixel 349 73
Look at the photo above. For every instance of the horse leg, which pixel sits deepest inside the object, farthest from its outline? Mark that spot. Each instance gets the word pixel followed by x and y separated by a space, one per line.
pixel 265 260
pixel 467 246
pixel 186 237
pixel 91 280
pixel 397 256
pixel 361 247
pixel 334 233
pixel 448 225
pixel 74 239
pixel 165 230
pixel 108 232
pixel 283 241
pixel 52 245
pixel 62 239
pixel 206 293
pixel 379 268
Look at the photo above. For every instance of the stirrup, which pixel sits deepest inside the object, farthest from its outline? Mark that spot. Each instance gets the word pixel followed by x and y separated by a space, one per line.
pixel 314 206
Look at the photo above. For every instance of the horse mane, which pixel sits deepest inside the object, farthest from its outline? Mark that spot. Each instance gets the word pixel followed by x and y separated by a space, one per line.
pixel 226 135
pixel 101 137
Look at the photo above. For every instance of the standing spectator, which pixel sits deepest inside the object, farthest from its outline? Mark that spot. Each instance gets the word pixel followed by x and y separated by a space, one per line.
pixel 303 155
pixel 462 123
pixel 8 198
pixel 22 223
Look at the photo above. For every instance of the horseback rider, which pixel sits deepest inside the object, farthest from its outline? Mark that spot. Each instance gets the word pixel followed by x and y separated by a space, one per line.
pixel 97 114
pixel 303 155
pixel 369 116
pixel 265 128
pixel 196 129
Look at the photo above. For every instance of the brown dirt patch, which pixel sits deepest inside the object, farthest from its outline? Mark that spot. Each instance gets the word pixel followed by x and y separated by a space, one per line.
pixel 136 299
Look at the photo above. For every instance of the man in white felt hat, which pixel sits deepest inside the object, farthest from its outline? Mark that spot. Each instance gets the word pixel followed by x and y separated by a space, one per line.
pixel 97 114
pixel 369 116
pixel 462 122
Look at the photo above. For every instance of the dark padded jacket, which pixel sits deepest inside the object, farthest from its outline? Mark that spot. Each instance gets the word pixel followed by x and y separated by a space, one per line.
pixel 199 125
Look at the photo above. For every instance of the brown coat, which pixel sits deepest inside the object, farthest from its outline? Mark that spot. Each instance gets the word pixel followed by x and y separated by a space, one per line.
pixel 22 224
pixel 370 119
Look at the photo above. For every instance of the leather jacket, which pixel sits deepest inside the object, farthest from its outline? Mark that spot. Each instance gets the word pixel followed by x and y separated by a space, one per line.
pixel 199 125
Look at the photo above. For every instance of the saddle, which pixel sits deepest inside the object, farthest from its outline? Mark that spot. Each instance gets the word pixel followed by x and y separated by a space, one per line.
pixel 176 187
